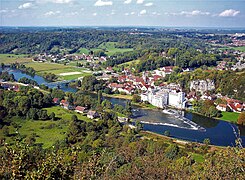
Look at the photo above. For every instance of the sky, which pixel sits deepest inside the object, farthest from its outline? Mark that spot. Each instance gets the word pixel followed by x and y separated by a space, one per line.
pixel 167 13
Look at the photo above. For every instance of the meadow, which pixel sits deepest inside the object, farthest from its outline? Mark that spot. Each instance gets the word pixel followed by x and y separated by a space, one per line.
pixel 47 132
pixel 12 58
pixel 230 116
pixel 110 49
pixel 57 69
pixel 241 48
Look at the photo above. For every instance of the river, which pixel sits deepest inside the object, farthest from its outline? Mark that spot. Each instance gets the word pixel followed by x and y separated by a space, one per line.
pixel 220 133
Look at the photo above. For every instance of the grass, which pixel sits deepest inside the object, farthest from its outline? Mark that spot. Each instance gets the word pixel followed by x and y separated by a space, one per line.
pixel 66 114
pixel 242 48
pixel 110 48
pixel 230 116
pixel 48 132
pixel 57 69
pixel 83 50
pixel 46 66
pixel 12 58
pixel 126 64
pixel 198 157
pixel 119 96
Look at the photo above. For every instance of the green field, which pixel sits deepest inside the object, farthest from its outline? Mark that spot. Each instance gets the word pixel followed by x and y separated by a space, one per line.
pixel 230 116
pixel 242 48
pixel 12 58
pixel 57 69
pixel 198 157
pixel 110 49
pixel 66 114
pixel 83 50
pixel 46 66
pixel 48 132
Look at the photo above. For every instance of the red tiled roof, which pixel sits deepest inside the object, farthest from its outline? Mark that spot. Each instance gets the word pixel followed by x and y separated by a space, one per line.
pixel 222 105
pixel 63 101
pixel 233 107
pixel 55 100
pixel 80 108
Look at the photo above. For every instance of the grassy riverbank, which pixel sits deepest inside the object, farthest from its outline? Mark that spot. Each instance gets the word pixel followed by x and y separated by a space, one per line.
pixel 229 116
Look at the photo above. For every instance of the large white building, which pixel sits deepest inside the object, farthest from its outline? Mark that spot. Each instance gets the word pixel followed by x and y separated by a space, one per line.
pixel 164 97
pixel 176 99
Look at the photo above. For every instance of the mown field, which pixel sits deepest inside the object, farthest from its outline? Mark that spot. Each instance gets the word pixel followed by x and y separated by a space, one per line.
pixel 230 116
pixel 242 48
pixel 57 69
pixel 47 132
pixel 12 58
pixel 110 49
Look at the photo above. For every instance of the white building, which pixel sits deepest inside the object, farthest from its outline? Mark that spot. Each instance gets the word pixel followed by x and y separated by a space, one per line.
pixel 202 85
pixel 164 97
pixel 176 99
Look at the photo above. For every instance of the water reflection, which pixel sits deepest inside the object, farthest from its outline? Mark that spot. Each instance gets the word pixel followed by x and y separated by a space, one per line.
pixel 219 132
pixel 202 120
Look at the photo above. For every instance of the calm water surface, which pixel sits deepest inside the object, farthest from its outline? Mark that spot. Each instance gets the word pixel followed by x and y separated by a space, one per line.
pixel 219 132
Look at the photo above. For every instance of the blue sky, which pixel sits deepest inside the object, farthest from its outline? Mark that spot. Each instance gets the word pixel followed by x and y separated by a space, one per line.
pixel 177 13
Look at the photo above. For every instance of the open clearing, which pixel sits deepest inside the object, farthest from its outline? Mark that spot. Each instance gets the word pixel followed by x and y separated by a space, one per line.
pixel 230 116
pixel 48 131
pixel 241 48
pixel 110 49
pixel 69 73
pixel 65 72
pixel 12 58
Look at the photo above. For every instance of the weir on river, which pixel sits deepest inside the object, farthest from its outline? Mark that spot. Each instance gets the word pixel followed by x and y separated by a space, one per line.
pixel 219 132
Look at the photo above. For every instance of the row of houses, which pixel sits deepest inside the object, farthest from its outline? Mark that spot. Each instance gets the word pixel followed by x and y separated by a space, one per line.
pixel 232 105
pixel 59 57
pixel 79 109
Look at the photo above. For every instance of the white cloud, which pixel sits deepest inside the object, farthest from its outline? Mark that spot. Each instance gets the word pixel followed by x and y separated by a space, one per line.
pixel 189 13
pixel 140 1
pixel 148 4
pixel 156 14
pixel 132 13
pixel 52 13
pixel 127 1
pixel 26 6
pixel 94 14
pixel 72 14
pixel 229 13
pixel 142 12
pixel 103 3
pixel 56 1
pixel 126 14
pixel 4 11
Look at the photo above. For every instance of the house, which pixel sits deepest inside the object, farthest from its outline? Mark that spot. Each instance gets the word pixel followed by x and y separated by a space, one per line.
pixel 68 106
pixel 56 101
pixel 92 114
pixel 62 102
pixel 80 109
pixel 221 107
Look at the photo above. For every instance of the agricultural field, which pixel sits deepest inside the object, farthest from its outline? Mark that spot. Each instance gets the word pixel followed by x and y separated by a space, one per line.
pixel 230 116
pixel 83 50
pixel 72 72
pixel 242 48
pixel 12 58
pixel 110 49
pixel 47 132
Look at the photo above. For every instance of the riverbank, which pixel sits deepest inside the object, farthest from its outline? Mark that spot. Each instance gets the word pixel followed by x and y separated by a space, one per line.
pixel 176 140
pixel 230 117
